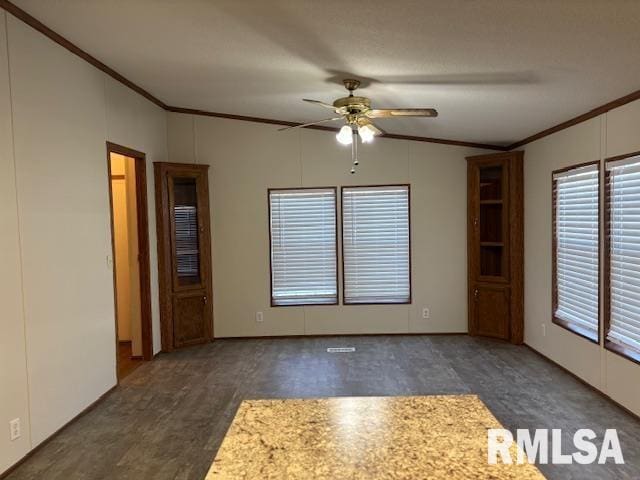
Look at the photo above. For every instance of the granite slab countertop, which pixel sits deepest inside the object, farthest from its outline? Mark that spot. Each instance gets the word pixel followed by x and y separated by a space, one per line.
pixel 421 437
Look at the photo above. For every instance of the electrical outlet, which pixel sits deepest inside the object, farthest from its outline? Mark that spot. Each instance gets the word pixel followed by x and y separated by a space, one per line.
pixel 14 429
pixel 426 313
pixel 544 329
pixel 259 317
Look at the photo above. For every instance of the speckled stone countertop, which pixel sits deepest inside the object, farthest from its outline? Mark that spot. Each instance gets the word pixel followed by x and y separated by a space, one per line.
pixel 428 437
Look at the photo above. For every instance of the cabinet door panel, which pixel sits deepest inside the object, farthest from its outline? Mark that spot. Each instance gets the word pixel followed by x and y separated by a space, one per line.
pixel 190 319
pixel 491 311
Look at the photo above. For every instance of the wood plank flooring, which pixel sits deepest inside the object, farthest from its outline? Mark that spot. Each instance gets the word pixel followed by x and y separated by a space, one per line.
pixel 169 416
pixel 126 364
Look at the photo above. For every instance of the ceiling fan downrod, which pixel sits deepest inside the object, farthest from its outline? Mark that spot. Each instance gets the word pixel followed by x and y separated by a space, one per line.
pixel 354 149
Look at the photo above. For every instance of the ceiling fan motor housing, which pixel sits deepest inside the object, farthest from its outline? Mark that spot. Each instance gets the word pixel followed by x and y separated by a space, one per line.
pixel 352 105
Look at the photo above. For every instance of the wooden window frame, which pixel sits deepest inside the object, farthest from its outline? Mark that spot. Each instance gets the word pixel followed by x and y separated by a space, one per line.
pixel 581 332
pixel 342 187
pixel 271 302
pixel 628 353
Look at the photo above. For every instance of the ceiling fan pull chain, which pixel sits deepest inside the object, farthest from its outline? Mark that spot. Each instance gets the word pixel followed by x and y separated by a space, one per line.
pixel 354 149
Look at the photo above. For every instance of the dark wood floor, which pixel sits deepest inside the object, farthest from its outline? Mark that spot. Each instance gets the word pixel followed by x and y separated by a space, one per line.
pixel 168 417
pixel 126 364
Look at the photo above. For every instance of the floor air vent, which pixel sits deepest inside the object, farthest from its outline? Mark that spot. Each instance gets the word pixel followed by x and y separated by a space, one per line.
pixel 341 349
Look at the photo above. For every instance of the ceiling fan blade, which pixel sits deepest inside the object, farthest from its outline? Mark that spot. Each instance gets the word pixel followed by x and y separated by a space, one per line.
pixel 318 102
pixel 362 121
pixel 378 131
pixel 402 112
pixel 309 124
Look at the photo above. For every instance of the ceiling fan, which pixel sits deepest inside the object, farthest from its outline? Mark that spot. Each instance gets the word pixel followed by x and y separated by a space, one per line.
pixel 356 111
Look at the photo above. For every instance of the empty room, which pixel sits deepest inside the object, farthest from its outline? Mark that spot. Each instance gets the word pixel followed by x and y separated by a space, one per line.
pixel 303 239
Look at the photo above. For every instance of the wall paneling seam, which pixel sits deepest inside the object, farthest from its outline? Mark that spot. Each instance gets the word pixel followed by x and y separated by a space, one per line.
pixel 19 231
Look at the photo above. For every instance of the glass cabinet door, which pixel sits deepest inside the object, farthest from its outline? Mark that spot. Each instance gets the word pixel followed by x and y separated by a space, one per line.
pixel 186 230
pixel 492 221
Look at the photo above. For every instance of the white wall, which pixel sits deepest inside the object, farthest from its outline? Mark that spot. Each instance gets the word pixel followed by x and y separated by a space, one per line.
pixel 614 133
pixel 58 335
pixel 247 158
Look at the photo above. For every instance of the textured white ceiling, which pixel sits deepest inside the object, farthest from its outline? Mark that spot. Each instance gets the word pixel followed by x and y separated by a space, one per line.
pixel 497 71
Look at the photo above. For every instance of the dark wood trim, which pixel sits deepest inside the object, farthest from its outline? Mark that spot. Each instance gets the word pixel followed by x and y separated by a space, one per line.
pixel 582 332
pixel 46 441
pixel 271 121
pixel 144 261
pixel 118 177
pixel 335 193
pixel 629 354
pixel 579 119
pixel 584 382
pixel 126 151
pixel 63 42
pixel 622 157
pixel 342 188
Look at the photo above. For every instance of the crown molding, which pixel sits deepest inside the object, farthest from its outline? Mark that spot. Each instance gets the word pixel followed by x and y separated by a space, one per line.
pixel 443 141
pixel 618 102
pixel 60 40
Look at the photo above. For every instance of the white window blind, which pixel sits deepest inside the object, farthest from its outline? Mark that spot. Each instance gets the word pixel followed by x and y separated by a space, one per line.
pixel 303 246
pixel 577 245
pixel 375 239
pixel 624 252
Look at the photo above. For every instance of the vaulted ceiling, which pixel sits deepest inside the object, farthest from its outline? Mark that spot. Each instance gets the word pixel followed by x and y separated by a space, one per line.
pixel 497 71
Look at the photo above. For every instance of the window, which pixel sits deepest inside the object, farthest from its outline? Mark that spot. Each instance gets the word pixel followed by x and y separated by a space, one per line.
pixel 303 246
pixel 576 249
pixel 375 244
pixel 622 252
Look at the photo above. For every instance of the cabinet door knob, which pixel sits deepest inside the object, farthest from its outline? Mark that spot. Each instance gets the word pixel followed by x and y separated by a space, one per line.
pixel 204 299
pixel 475 293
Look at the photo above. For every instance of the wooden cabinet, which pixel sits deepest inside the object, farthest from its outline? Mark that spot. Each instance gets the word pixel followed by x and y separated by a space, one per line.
pixel 184 254
pixel 495 245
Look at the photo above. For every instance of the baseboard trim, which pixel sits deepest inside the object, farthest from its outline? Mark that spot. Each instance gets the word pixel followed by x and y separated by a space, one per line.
pixel 36 449
pixel 330 335
pixel 584 382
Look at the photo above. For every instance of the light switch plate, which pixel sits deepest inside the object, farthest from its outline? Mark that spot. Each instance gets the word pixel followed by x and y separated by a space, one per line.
pixel 259 317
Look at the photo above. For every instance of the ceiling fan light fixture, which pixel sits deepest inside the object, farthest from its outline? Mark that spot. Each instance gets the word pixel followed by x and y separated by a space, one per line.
pixel 344 136
pixel 367 133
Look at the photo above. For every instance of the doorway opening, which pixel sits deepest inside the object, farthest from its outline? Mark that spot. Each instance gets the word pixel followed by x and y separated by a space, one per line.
pixel 130 242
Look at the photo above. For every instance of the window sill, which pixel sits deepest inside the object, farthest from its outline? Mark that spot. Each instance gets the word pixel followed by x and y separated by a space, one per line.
pixel 625 352
pixel 304 303
pixel 581 332
pixel 372 302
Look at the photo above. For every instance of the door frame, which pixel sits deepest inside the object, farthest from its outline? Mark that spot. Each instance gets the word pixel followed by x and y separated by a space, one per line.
pixel 143 246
